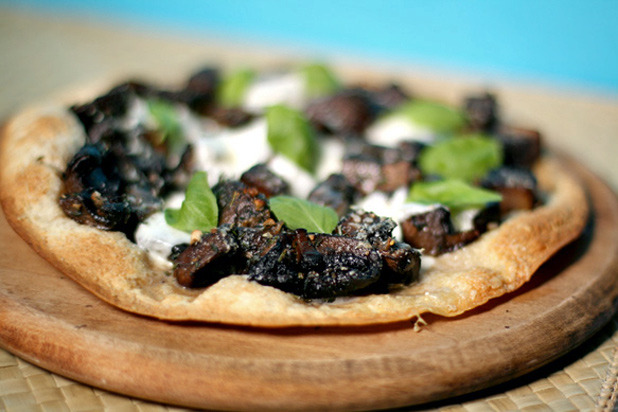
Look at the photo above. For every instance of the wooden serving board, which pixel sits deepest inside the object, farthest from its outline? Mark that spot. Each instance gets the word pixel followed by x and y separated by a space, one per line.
pixel 52 322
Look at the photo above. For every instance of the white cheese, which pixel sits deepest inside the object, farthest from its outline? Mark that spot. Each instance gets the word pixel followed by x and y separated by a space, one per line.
pixel 158 238
pixel 464 220
pixel 331 157
pixel 301 182
pixel 287 89
pixel 230 152
pixel 390 130
pixel 137 114
pixel 393 206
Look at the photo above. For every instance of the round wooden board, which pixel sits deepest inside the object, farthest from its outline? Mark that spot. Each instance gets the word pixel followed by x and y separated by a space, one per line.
pixel 52 322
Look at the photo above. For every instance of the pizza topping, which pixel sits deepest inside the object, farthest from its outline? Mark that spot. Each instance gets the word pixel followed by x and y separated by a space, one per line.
pixel 517 186
pixel 522 147
pixel 435 116
pixel 371 167
pixel 199 209
pixel 239 205
pixel 168 130
pixel 455 194
pixel 318 266
pixel 232 89
pixel 482 112
pixel 467 157
pixel 319 80
pixel 93 191
pixel 335 192
pixel 298 213
pixel 207 260
pixel 433 232
pixel 290 134
pixel 199 92
pixel 265 181
pixel 346 113
pixel 105 108
pixel 375 166
pixel 230 116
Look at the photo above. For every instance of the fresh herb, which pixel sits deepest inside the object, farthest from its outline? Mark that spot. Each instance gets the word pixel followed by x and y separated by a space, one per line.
pixel 465 157
pixel 233 88
pixel 302 214
pixel 455 194
pixel 319 80
pixel 199 210
pixel 290 134
pixel 169 127
pixel 435 116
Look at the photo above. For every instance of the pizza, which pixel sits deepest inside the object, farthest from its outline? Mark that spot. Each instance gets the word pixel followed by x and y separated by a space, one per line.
pixel 286 198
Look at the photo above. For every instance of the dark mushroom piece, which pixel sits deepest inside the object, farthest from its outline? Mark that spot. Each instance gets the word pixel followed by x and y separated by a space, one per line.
pixel 93 191
pixel 335 192
pixel 389 97
pixel 318 266
pixel 206 261
pixel 245 210
pixel 265 181
pixel 401 263
pixel 522 147
pixel 482 112
pixel 433 232
pixel 346 113
pixel 517 186
pixel 371 167
pixel 229 116
pixel 111 105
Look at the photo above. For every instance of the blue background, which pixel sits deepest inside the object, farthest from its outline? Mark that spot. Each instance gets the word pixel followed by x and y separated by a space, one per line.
pixel 567 43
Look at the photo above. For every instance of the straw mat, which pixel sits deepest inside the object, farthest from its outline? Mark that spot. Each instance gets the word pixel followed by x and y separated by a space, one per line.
pixel 585 379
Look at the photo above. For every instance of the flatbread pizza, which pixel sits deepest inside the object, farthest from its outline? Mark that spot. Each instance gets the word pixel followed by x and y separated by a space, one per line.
pixel 287 199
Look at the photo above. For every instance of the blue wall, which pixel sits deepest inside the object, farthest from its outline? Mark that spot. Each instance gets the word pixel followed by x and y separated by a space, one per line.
pixel 568 42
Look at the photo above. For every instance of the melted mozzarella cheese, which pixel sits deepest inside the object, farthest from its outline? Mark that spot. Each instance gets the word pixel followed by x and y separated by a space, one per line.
pixel 332 151
pixel 390 130
pixel 384 205
pixel 464 220
pixel 158 238
pixel 287 89
pixel 230 152
pixel 301 182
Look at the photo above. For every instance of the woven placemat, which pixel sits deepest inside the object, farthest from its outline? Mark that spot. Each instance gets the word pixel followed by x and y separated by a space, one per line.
pixel 584 379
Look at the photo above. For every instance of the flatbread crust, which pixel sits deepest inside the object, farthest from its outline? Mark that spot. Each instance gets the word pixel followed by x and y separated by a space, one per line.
pixel 38 143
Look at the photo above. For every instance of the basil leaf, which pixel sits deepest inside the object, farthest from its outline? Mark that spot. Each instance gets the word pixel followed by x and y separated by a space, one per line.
pixel 199 210
pixel 233 88
pixel 435 116
pixel 465 157
pixel 302 214
pixel 290 134
pixel 319 80
pixel 168 124
pixel 455 194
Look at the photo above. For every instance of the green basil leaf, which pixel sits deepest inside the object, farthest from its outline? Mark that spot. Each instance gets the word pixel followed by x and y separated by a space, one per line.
pixel 168 124
pixel 465 157
pixel 319 80
pixel 435 116
pixel 290 134
pixel 233 88
pixel 199 210
pixel 455 194
pixel 302 214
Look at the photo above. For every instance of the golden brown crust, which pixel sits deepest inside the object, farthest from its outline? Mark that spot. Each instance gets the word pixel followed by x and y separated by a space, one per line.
pixel 38 143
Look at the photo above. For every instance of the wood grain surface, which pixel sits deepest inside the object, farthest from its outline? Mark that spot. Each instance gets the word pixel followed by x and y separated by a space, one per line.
pixel 49 320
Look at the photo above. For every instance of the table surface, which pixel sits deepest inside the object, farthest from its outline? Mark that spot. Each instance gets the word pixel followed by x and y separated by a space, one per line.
pixel 43 56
